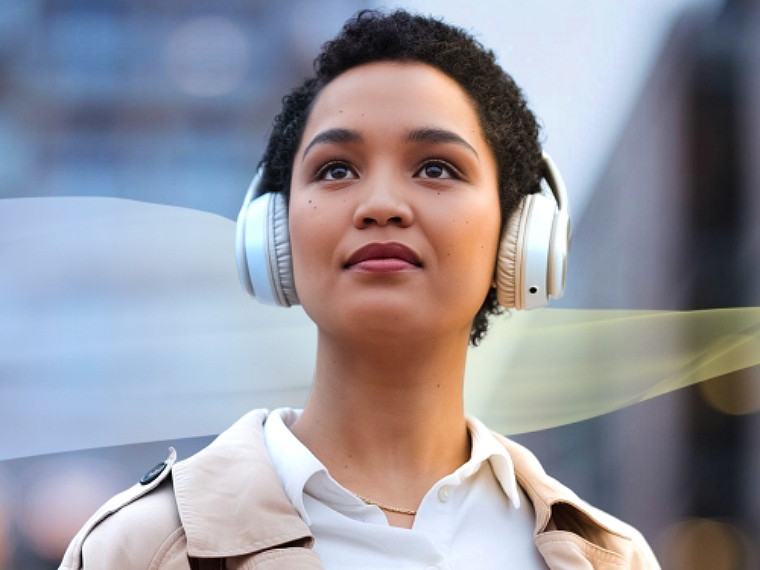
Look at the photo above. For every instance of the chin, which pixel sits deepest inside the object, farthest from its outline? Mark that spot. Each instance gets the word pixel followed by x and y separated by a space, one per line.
pixel 390 322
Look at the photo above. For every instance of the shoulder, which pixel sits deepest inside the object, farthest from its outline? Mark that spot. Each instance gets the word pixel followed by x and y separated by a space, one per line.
pixel 181 506
pixel 134 529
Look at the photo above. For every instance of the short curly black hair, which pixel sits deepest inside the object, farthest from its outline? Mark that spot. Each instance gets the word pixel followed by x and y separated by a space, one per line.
pixel 509 127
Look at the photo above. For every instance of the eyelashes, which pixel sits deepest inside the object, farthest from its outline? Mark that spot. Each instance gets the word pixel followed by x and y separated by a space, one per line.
pixel 437 169
pixel 430 169
pixel 335 170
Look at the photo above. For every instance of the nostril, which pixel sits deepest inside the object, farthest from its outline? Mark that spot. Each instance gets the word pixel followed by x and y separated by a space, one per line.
pixel 368 220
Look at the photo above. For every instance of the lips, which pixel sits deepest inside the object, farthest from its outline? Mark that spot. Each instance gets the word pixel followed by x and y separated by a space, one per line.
pixel 383 257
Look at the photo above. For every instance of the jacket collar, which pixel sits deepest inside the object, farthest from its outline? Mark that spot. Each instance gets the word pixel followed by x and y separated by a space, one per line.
pixel 545 492
pixel 230 499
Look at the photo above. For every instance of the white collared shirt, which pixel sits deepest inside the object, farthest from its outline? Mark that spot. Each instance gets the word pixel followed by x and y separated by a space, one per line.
pixel 476 518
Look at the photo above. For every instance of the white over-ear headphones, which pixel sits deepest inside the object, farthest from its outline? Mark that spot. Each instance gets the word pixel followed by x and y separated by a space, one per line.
pixel 530 264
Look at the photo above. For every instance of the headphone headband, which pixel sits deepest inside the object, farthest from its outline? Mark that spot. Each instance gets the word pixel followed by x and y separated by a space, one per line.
pixel 254 190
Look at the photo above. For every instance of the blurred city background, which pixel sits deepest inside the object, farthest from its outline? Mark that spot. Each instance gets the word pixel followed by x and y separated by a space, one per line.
pixel 652 110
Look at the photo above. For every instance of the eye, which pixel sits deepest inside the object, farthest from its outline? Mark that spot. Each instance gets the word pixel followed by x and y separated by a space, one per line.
pixel 335 170
pixel 438 170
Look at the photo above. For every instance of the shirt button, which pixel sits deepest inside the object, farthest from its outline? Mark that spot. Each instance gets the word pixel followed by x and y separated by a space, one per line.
pixel 444 494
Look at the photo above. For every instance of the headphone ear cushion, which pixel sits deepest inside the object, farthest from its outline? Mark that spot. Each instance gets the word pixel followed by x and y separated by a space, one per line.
pixel 508 258
pixel 280 257
pixel 262 249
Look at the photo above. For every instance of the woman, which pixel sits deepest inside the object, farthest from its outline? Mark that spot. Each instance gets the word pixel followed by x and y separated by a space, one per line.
pixel 399 168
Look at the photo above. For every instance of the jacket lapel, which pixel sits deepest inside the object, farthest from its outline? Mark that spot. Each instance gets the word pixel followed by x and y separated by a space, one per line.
pixel 230 499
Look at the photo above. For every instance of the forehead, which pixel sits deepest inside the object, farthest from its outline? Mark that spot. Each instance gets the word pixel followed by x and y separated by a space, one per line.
pixel 390 96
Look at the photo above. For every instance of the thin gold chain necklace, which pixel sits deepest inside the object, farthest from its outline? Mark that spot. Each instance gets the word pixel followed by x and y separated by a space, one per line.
pixel 390 509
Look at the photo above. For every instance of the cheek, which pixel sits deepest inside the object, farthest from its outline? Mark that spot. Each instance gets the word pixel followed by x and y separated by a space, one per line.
pixel 476 239
pixel 312 242
pixel 469 256
pixel 304 240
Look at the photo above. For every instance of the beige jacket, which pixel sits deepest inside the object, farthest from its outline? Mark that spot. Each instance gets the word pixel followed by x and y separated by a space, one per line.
pixel 226 502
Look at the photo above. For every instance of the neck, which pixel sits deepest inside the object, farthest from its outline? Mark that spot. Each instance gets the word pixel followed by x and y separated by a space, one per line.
pixel 387 421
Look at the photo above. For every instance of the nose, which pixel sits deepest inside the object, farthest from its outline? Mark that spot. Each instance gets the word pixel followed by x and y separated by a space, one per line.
pixel 383 202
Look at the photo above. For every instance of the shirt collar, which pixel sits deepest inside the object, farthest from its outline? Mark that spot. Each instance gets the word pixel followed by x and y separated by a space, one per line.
pixel 485 446
pixel 292 460
pixel 295 464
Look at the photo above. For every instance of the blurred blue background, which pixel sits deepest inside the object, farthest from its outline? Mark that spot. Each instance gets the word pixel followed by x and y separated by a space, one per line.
pixel 652 110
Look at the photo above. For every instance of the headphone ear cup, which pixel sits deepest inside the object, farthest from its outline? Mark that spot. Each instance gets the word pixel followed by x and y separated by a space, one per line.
pixel 264 259
pixel 530 263
pixel 526 254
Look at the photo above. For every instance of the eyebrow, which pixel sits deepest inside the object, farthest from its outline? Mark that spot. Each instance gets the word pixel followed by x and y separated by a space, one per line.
pixel 433 135
pixel 333 136
pixel 425 134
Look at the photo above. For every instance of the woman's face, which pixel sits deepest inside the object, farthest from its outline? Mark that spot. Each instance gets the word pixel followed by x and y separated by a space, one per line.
pixel 394 208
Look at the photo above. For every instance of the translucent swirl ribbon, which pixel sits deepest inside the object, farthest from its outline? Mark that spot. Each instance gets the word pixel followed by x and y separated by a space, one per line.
pixel 123 322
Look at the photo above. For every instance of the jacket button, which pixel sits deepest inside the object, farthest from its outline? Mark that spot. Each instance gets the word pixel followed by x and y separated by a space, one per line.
pixel 151 475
